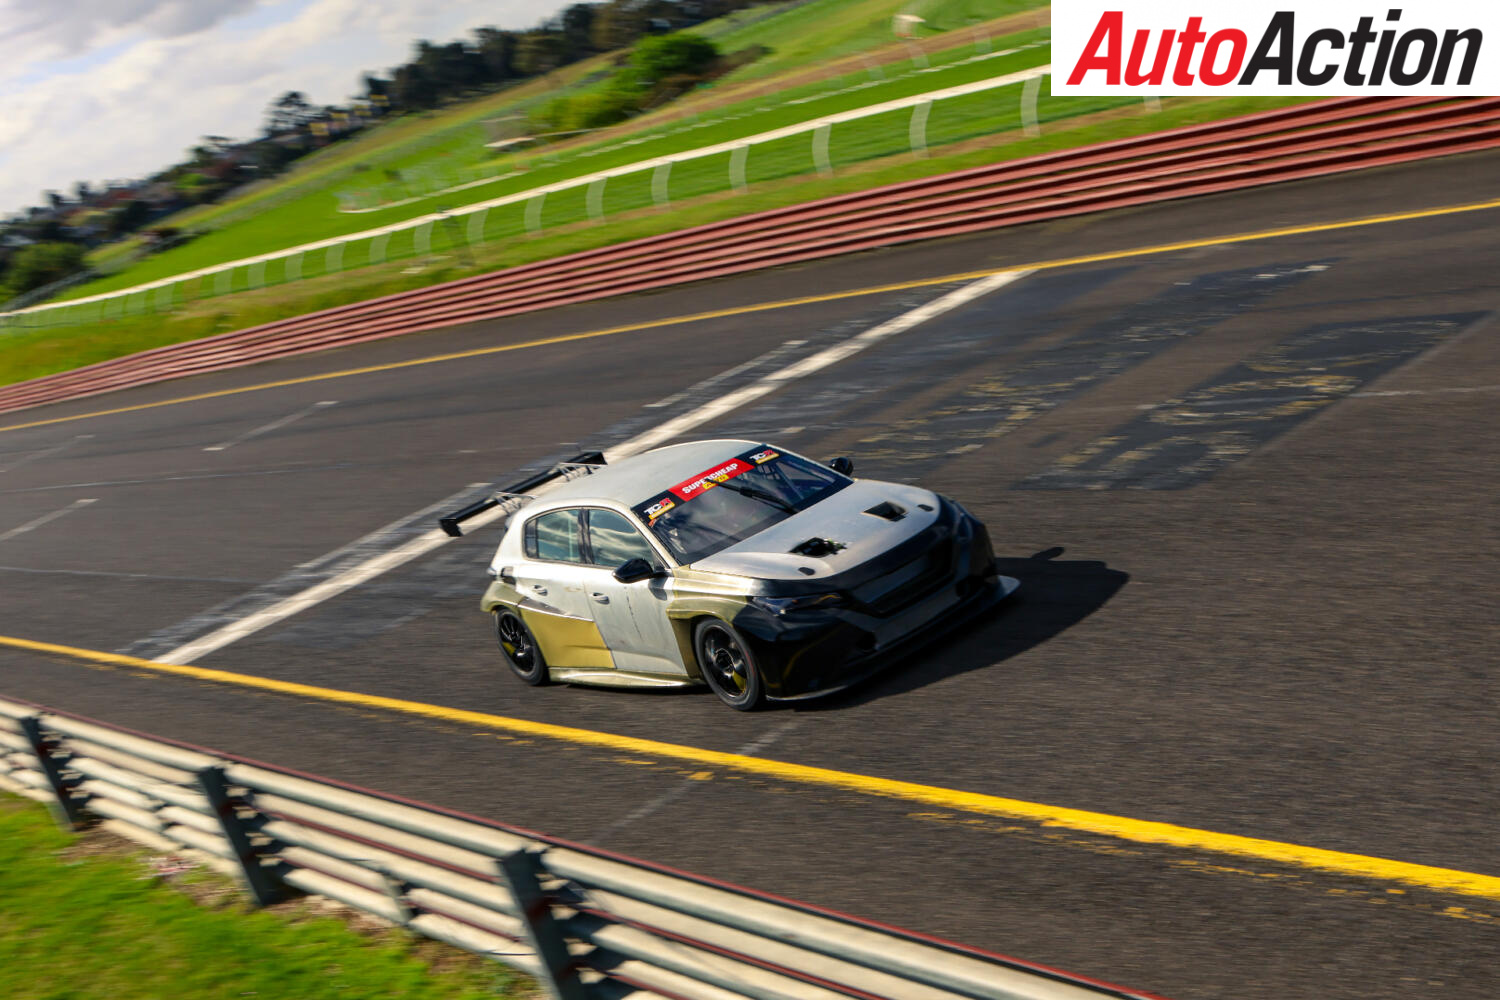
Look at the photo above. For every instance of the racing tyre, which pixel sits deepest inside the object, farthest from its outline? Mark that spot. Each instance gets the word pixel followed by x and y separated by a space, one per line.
pixel 519 648
pixel 726 665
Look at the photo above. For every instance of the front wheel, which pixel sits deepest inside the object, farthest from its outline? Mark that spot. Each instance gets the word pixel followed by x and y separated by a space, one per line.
pixel 726 665
pixel 519 647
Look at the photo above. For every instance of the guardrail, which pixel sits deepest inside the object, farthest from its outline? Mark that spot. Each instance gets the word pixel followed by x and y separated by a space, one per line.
pixel 588 924
pixel 1310 140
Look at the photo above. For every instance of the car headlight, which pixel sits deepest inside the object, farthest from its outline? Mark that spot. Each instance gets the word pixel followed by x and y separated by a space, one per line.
pixel 782 605
pixel 963 529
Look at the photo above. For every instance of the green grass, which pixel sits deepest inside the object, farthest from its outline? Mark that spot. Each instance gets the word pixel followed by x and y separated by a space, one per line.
pixel 829 29
pixel 84 927
pixel 31 353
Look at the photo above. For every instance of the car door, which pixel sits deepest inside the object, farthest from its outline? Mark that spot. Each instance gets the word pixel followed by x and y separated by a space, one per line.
pixel 632 617
pixel 551 583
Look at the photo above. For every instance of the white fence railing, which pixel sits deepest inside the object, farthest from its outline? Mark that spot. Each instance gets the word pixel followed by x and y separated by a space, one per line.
pixel 587 924
pixel 163 293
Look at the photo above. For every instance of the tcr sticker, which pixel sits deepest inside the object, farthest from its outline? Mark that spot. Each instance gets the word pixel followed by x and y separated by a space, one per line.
pixel 660 507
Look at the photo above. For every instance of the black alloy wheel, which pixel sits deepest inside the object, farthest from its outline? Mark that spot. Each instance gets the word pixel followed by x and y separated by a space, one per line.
pixel 519 647
pixel 726 665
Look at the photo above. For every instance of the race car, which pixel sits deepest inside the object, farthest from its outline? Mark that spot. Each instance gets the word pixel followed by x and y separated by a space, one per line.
pixel 736 564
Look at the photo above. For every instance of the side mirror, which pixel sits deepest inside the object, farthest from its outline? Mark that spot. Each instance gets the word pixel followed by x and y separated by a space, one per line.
pixel 635 569
pixel 843 465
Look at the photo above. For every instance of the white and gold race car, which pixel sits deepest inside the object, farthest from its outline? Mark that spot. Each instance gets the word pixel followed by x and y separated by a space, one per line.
pixel 736 564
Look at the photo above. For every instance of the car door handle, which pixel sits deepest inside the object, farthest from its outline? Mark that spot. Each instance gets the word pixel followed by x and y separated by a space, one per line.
pixel 600 598
pixel 538 588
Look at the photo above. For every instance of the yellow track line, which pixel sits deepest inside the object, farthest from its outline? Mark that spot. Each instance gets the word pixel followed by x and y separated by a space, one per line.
pixel 1268 234
pixel 1101 824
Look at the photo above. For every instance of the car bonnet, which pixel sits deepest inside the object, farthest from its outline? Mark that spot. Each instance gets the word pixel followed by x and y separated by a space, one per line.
pixel 844 520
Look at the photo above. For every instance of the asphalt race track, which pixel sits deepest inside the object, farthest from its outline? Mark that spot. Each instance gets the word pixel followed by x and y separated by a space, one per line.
pixel 1250 487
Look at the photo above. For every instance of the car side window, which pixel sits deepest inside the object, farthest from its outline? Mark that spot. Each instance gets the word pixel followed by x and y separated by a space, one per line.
pixel 614 541
pixel 556 535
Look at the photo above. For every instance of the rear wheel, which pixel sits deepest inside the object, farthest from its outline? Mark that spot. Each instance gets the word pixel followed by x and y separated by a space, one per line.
pixel 519 647
pixel 726 665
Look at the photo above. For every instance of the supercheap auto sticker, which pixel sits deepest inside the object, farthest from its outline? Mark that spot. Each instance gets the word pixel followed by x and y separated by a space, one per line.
pixel 703 481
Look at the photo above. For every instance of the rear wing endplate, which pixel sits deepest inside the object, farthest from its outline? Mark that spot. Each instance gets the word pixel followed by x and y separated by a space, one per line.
pixel 519 491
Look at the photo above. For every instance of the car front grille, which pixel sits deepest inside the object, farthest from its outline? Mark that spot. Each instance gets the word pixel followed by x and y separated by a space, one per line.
pixel 908 584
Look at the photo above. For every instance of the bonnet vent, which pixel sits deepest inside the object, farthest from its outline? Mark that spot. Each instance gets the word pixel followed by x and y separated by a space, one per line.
pixel 888 510
pixel 818 547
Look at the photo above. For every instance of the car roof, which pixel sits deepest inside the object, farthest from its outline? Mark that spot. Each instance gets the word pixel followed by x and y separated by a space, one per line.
pixel 640 477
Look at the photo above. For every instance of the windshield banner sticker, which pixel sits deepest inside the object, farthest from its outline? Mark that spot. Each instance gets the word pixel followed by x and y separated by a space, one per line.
pixel 708 480
pixel 696 486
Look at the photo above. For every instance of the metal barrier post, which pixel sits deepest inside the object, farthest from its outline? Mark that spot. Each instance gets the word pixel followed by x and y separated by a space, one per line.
pixel 737 158
pixel 595 198
pixel 559 970
pixel 660 178
pixel 534 212
pixel 66 808
pixel 396 890
pixel 917 132
pixel 256 879
pixel 821 159
pixel 475 232
pixel 1030 91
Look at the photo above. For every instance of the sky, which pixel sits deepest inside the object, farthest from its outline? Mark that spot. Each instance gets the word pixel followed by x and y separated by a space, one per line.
pixel 97 90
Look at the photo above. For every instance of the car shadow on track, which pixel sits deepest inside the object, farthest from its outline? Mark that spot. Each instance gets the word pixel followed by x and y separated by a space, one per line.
pixel 1055 595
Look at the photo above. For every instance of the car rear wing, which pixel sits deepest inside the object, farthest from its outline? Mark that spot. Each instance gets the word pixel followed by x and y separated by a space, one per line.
pixel 519 491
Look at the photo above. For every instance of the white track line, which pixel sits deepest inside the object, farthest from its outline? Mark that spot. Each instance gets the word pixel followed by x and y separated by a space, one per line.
pixel 829 356
pixel 273 425
pixel 43 454
pixel 120 576
pixel 675 427
pixel 29 525
pixel 724 376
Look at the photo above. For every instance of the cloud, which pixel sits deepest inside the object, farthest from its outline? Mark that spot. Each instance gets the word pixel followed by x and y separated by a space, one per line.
pixel 193 68
pixel 63 29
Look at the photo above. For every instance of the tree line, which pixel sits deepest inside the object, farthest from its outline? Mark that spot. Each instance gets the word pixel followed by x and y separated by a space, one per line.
pixel 46 243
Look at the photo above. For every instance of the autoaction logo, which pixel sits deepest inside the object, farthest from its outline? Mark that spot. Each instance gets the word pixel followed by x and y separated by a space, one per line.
pixel 1327 47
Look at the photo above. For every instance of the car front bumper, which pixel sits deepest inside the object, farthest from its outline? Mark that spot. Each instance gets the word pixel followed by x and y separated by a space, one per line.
pixel 815 653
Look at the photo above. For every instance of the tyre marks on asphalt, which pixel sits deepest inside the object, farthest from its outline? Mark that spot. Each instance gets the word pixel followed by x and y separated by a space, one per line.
pixel 868 389
pixel 1007 398
pixel 1242 408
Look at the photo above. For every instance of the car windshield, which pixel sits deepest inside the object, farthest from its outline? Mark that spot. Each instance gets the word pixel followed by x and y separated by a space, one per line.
pixel 734 500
